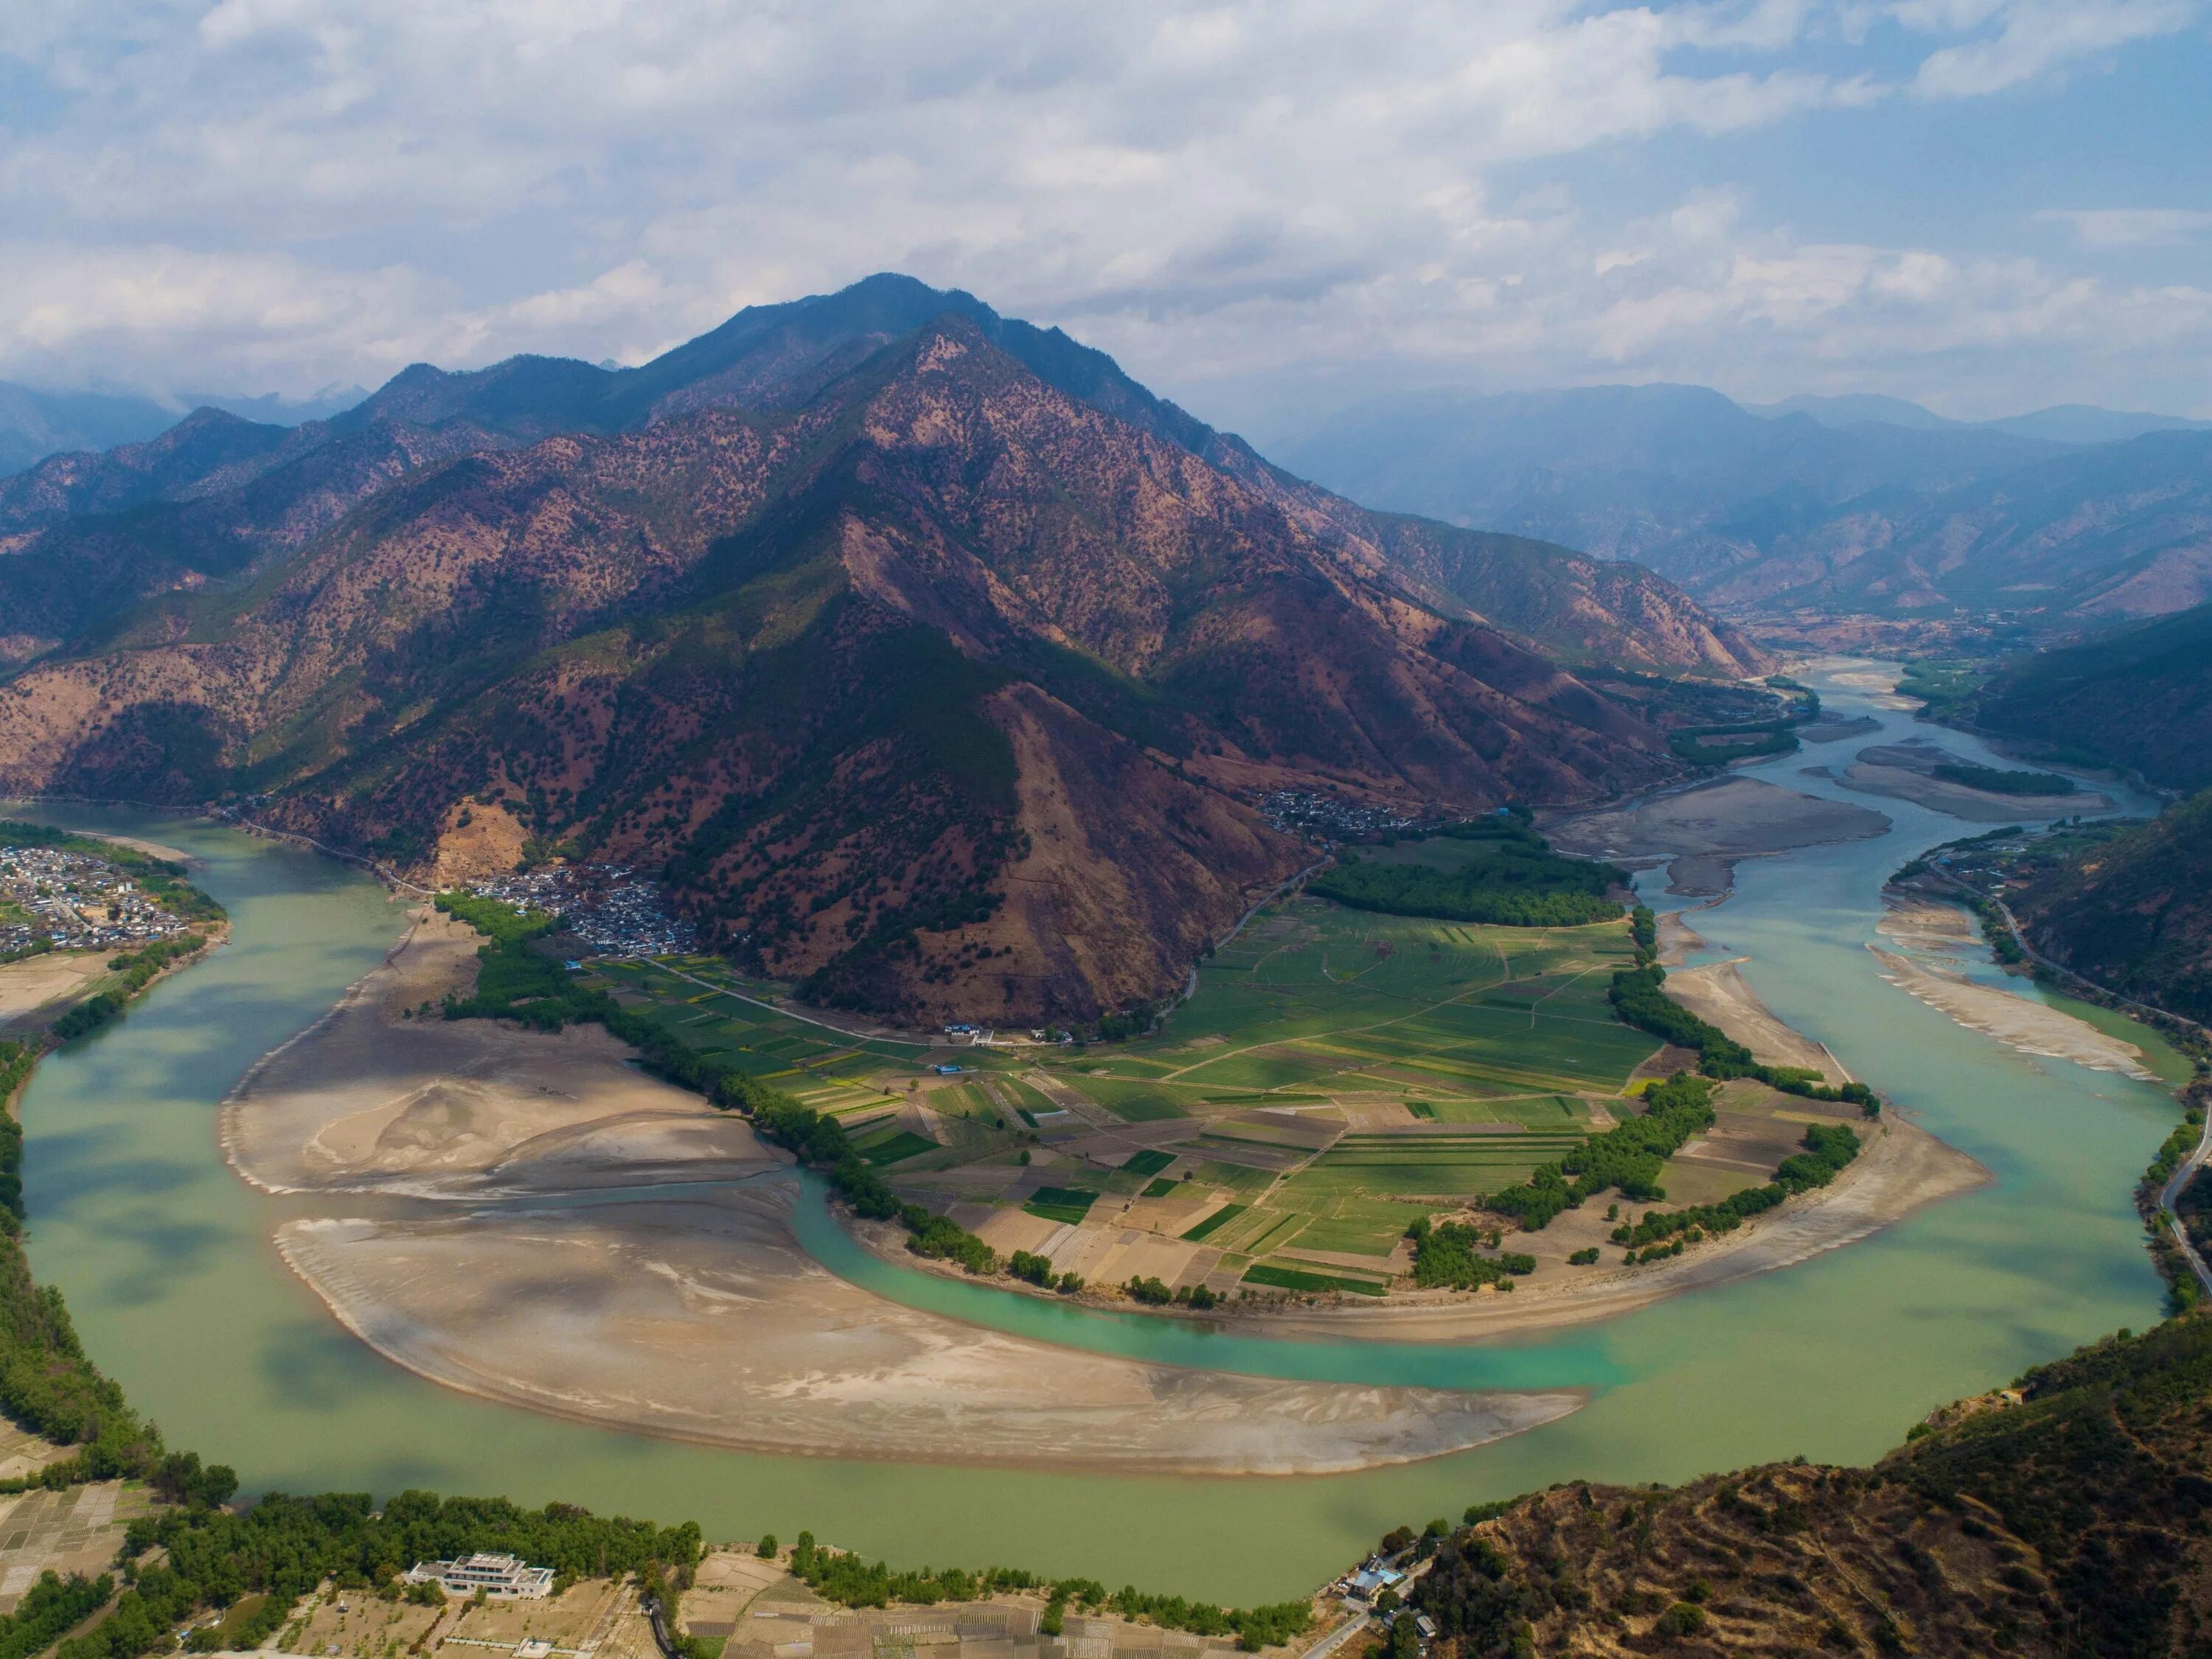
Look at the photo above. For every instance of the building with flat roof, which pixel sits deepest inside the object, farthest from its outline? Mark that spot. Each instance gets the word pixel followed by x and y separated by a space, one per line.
pixel 504 1576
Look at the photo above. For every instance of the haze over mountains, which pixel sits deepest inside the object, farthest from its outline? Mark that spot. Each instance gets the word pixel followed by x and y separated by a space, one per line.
pixel 2066 518
pixel 931 659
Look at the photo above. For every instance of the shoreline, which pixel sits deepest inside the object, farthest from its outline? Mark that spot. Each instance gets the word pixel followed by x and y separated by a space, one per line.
pixel 1901 1169
pixel 560 1247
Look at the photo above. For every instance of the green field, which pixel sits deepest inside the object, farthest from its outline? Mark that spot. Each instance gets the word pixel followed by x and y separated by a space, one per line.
pixel 1429 1064
pixel 1214 1222
pixel 1302 1279
pixel 1069 1204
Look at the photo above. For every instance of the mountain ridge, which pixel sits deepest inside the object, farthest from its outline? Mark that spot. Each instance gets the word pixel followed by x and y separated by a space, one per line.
pixel 946 690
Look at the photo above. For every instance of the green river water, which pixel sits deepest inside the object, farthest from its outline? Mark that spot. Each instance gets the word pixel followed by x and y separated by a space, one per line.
pixel 166 1261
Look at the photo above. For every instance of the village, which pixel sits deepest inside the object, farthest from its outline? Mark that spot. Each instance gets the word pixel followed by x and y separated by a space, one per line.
pixel 71 902
pixel 745 1603
pixel 609 909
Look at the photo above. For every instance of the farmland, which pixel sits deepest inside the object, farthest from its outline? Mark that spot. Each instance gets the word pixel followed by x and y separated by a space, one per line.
pixel 1338 1075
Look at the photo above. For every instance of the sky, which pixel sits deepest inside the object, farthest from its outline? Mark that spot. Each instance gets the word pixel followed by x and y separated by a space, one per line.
pixel 1264 210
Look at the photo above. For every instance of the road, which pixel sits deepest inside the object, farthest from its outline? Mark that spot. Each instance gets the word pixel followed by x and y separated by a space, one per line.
pixel 2169 1194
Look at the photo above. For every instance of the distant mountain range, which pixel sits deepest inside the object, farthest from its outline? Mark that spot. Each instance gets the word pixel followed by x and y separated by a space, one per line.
pixel 2066 517
pixel 35 423
pixel 931 659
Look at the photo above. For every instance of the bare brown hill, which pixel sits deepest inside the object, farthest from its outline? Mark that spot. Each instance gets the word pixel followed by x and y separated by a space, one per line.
pixel 944 689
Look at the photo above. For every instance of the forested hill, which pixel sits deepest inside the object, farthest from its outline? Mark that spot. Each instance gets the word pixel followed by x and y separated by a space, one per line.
pixel 2141 697
pixel 2074 1523
pixel 2135 913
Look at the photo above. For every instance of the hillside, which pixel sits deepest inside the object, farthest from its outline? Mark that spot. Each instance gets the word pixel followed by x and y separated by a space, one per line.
pixel 2139 697
pixel 2136 914
pixel 218 499
pixel 2062 518
pixel 943 691
pixel 2072 1522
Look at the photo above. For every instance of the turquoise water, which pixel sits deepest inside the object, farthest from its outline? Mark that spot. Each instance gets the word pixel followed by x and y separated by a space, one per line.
pixel 165 1258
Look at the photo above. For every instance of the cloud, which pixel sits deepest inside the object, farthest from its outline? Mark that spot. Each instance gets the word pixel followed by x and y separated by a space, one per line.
pixel 280 193
pixel 2033 39
pixel 2109 227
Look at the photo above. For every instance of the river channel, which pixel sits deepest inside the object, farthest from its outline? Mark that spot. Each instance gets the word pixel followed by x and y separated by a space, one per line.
pixel 165 1258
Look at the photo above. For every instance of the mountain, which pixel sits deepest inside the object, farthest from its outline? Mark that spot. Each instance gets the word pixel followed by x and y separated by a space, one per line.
pixel 1835 505
pixel 2135 913
pixel 1677 478
pixel 2080 423
pixel 2103 534
pixel 941 677
pixel 1853 409
pixel 34 424
pixel 2065 1516
pixel 2139 697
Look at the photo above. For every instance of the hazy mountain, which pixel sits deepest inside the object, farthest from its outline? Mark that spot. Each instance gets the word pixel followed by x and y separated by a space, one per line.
pixel 2140 697
pixel 2100 534
pixel 940 673
pixel 2079 423
pixel 1851 409
pixel 34 424
pixel 1832 504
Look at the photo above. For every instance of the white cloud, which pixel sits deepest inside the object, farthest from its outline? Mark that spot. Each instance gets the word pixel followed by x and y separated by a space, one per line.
pixel 279 193
pixel 2034 38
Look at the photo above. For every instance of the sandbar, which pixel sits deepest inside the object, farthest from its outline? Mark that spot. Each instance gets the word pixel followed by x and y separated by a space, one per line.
pixel 1931 937
pixel 690 1310
pixel 1717 994
pixel 37 982
pixel 1706 828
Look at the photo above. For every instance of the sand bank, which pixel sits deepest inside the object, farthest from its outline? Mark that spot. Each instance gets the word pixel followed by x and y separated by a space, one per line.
pixel 37 982
pixel 701 1317
pixel 1932 938
pixel 1705 828
pixel 1718 995
pixel 695 1312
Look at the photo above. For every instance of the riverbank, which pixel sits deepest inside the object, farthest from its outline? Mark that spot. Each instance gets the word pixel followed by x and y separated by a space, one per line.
pixel 1930 943
pixel 558 1232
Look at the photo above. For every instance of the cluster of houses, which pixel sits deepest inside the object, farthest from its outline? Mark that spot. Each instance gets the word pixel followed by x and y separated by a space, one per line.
pixel 75 903
pixel 612 910
pixel 1324 818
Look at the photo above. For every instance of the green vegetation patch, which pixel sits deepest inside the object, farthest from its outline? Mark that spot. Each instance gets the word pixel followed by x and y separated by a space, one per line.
pixel 1068 1204
pixel 1510 877
pixel 1278 1277
pixel 1149 1163
pixel 1161 1188
pixel 1214 1222
pixel 894 1148
pixel 1998 781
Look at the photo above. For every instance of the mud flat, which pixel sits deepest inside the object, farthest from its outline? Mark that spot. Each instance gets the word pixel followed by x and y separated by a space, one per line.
pixel 1705 828
pixel 1930 935
pixel 692 1310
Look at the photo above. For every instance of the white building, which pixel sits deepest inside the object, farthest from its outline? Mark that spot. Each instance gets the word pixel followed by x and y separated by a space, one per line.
pixel 501 1576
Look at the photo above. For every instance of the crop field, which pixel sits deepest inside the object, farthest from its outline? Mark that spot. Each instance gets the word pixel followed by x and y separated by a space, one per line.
pixel 1337 1075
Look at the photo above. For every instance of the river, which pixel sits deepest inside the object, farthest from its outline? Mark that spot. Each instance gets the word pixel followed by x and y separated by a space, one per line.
pixel 165 1259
